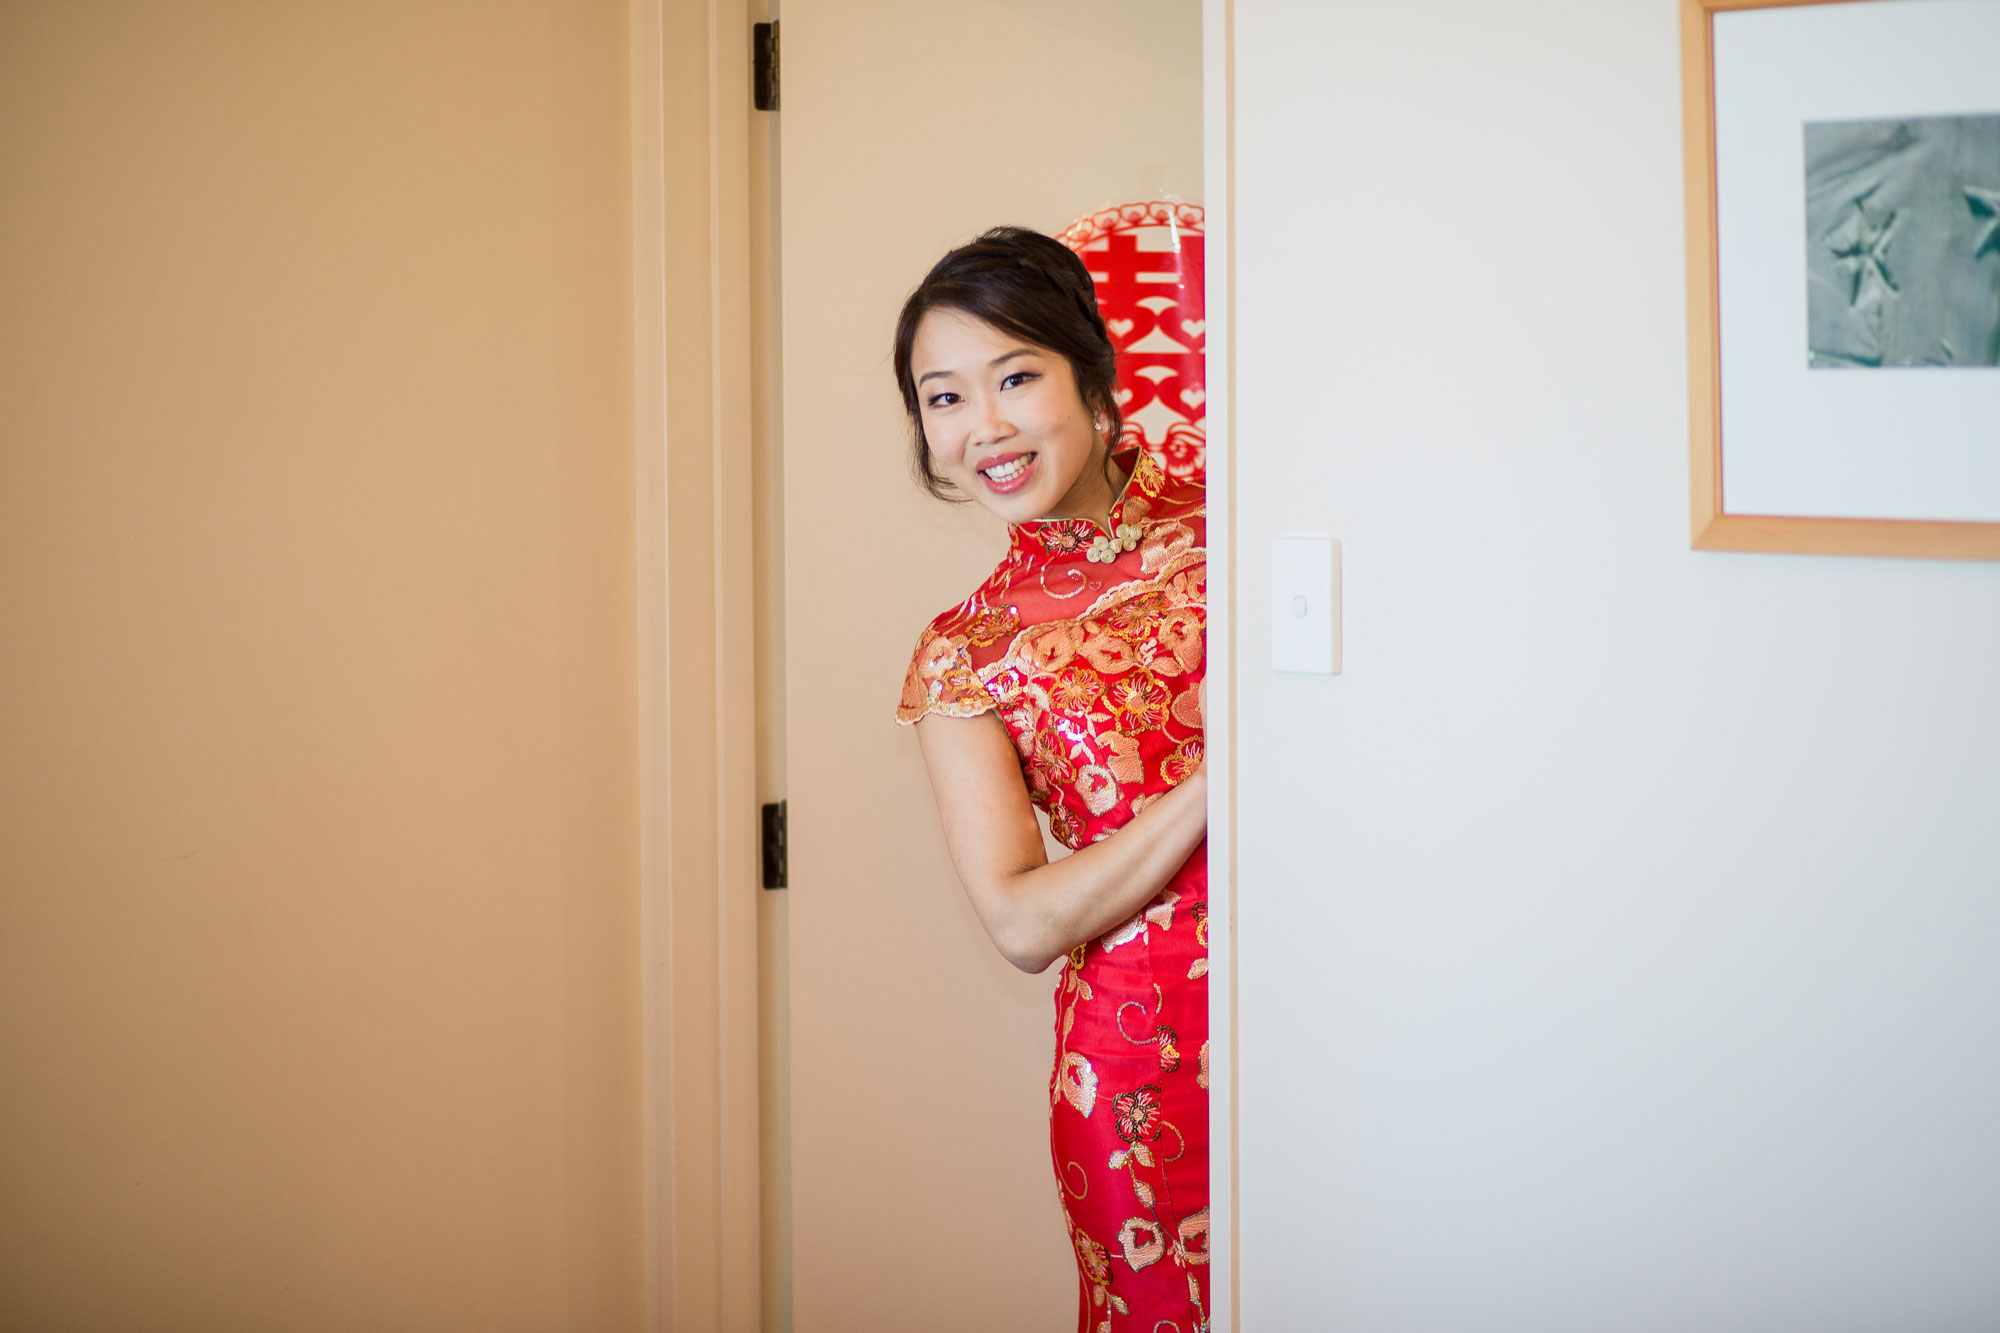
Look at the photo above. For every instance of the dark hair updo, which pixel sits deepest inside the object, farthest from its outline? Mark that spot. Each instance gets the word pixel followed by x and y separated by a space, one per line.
pixel 1024 283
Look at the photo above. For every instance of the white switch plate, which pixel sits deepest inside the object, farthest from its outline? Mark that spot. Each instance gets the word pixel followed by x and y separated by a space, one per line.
pixel 1305 605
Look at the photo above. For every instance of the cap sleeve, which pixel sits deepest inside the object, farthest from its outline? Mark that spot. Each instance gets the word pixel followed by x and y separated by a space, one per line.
pixel 941 680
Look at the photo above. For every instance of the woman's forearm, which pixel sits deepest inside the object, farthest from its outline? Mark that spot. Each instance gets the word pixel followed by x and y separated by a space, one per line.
pixel 1037 915
pixel 1036 910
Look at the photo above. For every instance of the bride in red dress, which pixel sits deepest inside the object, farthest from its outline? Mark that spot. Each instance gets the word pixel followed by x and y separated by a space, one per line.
pixel 1070 681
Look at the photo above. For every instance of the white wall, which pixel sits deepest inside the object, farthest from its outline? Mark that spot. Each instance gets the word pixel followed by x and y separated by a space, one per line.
pixel 1618 934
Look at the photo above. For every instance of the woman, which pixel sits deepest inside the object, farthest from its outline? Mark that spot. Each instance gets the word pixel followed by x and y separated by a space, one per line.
pixel 1070 680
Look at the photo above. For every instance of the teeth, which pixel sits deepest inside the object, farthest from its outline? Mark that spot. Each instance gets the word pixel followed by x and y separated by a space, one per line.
pixel 1008 470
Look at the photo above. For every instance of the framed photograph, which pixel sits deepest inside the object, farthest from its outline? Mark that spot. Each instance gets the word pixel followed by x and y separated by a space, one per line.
pixel 1843 197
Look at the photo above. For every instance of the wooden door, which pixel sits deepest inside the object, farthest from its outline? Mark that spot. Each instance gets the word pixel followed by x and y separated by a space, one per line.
pixel 921 1191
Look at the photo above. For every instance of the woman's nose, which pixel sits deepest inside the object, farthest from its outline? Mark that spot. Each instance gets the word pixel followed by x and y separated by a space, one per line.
pixel 992 421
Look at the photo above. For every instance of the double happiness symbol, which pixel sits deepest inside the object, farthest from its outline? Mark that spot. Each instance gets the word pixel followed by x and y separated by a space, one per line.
pixel 1146 263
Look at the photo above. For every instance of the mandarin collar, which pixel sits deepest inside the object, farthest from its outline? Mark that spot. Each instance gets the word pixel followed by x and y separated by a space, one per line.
pixel 1144 479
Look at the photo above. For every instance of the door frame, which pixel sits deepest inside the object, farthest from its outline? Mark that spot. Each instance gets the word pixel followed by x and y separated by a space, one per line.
pixel 1218 166
pixel 692 416
pixel 699 853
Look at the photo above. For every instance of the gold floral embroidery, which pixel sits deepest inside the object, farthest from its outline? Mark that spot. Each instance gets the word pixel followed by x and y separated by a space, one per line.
pixel 1144 1242
pixel 1093 1262
pixel 1109 653
pixel 1136 618
pixel 1046 766
pixel 1159 913
pixel 1199 967
pixel 990 626
pixel 1162 542
pixel 1063 826
pixel 1077 1082
pixel 1075 690
pixel 1125 763
pixel 1099 789
pixel 1092 1257
pixel 1179 766
pixel 1122 1158
pixel 1181 632
pixel 1065 536
pixel 1148 477
pixel 1139 701
pixel 1187 709
pixel 1047 649
pixel 1191 1244
pixel 941 680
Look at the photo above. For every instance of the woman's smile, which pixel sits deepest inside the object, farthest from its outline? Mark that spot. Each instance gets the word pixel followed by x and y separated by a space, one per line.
pixel 1007 473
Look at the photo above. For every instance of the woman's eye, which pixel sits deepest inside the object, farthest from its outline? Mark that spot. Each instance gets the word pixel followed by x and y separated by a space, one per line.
pixel 941 400
pixel 1019 377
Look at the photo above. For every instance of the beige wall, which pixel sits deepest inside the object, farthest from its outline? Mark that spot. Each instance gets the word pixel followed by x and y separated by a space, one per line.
pixel 319 972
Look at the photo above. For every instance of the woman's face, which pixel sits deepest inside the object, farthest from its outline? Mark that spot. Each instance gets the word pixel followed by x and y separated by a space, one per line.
pixel 1005 421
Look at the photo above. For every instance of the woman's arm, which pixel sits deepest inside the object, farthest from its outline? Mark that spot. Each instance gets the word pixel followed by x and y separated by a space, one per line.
pixel 1036 910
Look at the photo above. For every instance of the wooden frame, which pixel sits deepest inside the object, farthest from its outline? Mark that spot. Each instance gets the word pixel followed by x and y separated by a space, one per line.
pixel 1714 528
pixel 1218 150
pixel 691 407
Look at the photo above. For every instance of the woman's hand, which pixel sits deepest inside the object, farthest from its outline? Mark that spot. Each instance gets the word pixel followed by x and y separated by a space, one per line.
pixel 1201 702
pixel 1036 911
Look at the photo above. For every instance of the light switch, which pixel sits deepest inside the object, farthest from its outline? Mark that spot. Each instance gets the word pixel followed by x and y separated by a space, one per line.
pixel 1305 605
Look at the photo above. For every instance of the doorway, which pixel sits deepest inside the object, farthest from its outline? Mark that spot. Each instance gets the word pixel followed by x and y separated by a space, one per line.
pixel 916 1059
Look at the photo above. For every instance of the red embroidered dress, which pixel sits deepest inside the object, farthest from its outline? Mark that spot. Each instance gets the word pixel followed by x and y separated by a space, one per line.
pixel 1089 645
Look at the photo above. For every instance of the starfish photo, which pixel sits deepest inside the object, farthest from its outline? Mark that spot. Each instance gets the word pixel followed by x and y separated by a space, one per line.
pixel 1985 204
pixel 1861 245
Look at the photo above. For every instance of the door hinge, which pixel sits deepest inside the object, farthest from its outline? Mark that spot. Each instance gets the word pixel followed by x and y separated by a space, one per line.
pixel 764 66
pixel 774 846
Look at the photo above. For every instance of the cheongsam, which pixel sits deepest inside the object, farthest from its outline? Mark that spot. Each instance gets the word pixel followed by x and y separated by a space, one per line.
pixel 1089 645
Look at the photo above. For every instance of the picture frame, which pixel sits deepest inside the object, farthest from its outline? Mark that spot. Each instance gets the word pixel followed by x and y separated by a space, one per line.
pixel 1879 452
